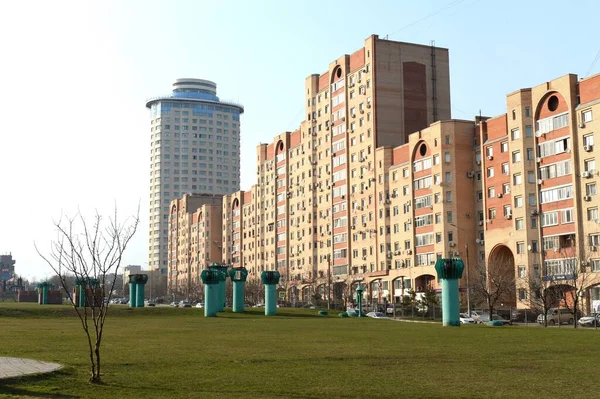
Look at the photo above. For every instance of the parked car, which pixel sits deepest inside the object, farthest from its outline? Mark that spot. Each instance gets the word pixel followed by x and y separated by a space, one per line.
pixel 592 320
pixel 377 315
pixel 185 304
pixel 466 319
pixel 556 316
pixel 151 304
pixel 200 305
pixel 485 317
pixel 174 304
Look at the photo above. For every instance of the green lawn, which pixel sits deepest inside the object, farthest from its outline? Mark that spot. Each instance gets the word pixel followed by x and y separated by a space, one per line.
pixel 177 353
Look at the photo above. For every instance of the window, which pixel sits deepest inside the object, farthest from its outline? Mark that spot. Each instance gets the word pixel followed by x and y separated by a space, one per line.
pixel 492 213
pixel 448 196
pixel 517 179
pixel 447 157
pixel 490 172
pixel 588 140
pixel 592 214
pixel 586 116
pixel 436 159
pixel 515 134
pixel 507 211
pixel 532 200
pixel 590 165
pixel 449 216
pixel 530 154
pixel 505 169
pixel 522 294
pixel 549 218
pixel 491 192
pixel 556 194
pixel 594 240
pixel 550 243
pixel 520 247
pixel 590 189
pixel 503 146
pixel 553 123
pixel 528 111
pixel 506 188
pixel 519 224
pixel 448 177
pixel 555 170
pixel 528 131
pixel 489 151
pixel 554 147
pixel 522 271
pixel 567 216
pixel 516 156
pixel 519 202
pixel 530 177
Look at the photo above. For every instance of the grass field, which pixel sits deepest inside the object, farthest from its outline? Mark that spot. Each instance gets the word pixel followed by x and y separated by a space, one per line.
pixel 177 353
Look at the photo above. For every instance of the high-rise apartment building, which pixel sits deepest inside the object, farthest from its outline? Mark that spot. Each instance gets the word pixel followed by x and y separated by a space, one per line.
pixel 539 191
pixel 195 147
pixel 304 211
pixel 353 197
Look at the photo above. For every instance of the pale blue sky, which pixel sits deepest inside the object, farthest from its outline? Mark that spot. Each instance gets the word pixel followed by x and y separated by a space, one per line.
pixel 75 76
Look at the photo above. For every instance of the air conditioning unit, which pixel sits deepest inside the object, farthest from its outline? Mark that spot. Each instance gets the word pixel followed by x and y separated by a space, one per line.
pixel 368 105
pixel 539 134
pixel 588 148
pixel 478 162
pixel 593 248
pixel 481 222
pixel 508 216
pixel 582 125
pixel 499 195
pixel 534 212
pixel 470 174
pixel 408 252
pixel 540 181
pixel 451 243
pixel 353 227
pixel 490 157
pixel 477 241
pixel 456 253
pixel 481 242
pixel 587 198
pixel 326 127
pixel 585 174
pixel 364 258
pixel 538 160
pixel 397 253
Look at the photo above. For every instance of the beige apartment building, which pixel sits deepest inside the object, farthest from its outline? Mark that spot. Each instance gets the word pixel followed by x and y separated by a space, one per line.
pixel 539 191
pixel 379 182
pixel 195 240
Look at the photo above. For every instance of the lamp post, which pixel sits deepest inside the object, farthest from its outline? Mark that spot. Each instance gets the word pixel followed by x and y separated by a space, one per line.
pixel 328 281
pixel 467 266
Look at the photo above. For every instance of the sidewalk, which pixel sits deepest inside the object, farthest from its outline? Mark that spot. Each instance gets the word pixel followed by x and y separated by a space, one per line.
pixel 11 367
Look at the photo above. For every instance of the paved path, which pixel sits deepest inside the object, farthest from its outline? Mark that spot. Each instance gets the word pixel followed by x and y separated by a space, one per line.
pixel 11 367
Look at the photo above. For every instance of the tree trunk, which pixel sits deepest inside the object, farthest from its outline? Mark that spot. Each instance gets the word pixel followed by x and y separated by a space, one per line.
pixel 97 352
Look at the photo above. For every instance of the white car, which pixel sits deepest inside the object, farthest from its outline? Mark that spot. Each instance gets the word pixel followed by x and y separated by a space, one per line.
pixel 466 319
pixel 199 305
pixel 377 315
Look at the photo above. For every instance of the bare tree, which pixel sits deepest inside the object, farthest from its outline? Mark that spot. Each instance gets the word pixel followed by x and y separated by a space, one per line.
pixel 496 284
pixel 569 273
pixel 90 254
pixel 542 295
pixel 255 291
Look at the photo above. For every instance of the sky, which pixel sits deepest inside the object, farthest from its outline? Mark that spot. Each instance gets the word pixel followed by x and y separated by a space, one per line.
pixel 75 133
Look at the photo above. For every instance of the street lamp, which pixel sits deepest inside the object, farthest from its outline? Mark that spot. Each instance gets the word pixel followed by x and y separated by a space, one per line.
pixel 467 264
